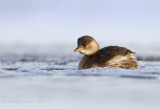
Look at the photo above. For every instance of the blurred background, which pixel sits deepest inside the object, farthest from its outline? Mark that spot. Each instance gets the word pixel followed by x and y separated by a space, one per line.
pixel 131 23
pixel 39 69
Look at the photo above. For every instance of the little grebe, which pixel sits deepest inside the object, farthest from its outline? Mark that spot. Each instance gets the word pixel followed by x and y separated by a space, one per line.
pixel 111 56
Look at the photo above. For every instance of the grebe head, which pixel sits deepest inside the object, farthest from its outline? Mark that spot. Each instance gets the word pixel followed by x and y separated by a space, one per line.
pixel 87 45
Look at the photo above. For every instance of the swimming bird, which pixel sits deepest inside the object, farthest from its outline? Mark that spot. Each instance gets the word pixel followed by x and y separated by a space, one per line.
pixel 111 56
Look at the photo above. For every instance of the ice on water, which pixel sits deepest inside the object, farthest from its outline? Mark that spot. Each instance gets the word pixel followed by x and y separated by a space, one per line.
pixel 51 80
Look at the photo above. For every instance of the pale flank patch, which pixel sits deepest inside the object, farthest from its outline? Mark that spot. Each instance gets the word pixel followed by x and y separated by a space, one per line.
pixel 117 60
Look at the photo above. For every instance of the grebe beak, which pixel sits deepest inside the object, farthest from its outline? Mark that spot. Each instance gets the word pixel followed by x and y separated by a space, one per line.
pixel 78 49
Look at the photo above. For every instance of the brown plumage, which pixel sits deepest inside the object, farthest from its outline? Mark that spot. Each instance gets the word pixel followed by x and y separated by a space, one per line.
pixel 111 56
